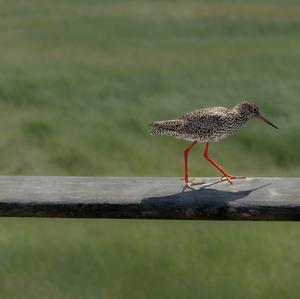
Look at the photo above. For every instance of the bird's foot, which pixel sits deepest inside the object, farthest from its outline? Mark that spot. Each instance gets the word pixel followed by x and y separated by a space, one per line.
pixel 189 182
pixel 229 177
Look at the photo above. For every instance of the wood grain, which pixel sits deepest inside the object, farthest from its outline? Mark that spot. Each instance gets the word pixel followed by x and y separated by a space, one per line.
pixel 150 198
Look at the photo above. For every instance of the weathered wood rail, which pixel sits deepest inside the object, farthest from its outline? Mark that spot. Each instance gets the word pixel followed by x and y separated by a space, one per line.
pixel 150 198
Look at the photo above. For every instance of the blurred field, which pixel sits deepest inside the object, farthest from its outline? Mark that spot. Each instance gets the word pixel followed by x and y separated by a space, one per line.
pixel 79 80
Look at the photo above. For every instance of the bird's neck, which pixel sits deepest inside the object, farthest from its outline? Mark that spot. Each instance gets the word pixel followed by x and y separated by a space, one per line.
pixel 237 117
pixel 238 113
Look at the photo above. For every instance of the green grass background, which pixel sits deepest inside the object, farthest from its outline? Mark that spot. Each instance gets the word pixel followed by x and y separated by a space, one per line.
pixel 79 80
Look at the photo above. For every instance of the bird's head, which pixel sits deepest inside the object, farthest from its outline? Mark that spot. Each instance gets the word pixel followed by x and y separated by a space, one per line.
pixel 250 110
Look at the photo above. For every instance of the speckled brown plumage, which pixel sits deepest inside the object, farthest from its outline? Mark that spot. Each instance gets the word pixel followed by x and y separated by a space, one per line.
pixel 208 125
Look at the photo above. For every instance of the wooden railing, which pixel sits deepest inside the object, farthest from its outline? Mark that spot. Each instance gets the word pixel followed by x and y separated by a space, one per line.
pixel 150 198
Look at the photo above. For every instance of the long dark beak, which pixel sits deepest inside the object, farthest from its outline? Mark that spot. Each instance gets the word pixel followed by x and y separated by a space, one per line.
pixel 266 121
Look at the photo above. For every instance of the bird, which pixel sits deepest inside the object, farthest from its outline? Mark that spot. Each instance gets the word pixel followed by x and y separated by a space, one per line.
pixel 208 125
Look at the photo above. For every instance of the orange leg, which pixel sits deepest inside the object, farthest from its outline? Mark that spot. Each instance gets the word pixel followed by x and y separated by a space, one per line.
pixel 225 174
pixel 186 153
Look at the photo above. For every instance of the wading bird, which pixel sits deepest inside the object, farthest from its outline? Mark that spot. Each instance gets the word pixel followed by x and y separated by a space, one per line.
pixel 208 125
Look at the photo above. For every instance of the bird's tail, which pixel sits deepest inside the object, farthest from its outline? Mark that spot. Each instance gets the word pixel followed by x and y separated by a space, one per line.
pixel 165 127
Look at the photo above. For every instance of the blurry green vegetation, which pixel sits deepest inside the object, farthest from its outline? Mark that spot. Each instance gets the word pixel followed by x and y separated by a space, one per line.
pixel 79 80
pixel 148 259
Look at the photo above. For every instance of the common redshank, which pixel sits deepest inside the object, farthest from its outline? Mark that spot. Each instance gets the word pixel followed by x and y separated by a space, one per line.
pixel 208 125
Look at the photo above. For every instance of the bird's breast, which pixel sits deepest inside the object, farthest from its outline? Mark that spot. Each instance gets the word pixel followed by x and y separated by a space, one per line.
pixel 225 128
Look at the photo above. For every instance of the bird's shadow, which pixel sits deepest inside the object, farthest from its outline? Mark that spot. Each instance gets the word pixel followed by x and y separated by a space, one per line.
pixel 196 201
pixel 192 187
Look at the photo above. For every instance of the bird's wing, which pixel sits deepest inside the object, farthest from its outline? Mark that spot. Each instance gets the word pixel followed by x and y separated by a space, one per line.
pixel 205 118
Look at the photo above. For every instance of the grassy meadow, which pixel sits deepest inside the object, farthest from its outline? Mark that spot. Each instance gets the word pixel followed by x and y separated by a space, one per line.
pixel 80 80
